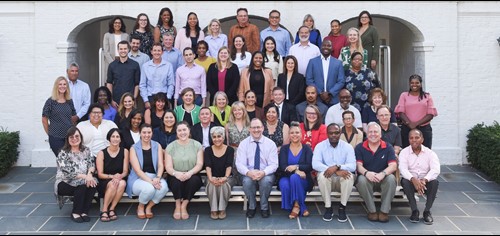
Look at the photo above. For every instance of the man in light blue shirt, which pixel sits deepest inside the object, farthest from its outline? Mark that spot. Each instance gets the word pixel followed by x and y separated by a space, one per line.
pixel 157 76
pixel 80 92
pixel 280 35
pixel 170 53
pixel 257 160
pixel 135 54
pixel 335 162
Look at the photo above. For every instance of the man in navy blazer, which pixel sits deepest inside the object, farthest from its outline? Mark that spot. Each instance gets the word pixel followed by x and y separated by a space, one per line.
pixel 201 131
pixel 335 74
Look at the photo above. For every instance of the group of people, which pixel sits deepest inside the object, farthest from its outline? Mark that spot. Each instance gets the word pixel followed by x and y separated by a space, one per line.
pixel 281 115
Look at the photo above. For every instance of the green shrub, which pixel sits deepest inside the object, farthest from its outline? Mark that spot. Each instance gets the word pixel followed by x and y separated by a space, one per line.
pixel 9 142
pixel 483 149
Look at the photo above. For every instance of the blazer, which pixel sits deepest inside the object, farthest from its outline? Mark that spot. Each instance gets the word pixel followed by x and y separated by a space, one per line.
pixel 305 164
pixel 296 89
pixel 109 46
pixel 232 82
pixel 127 140
pixel 335 81
pixel 197 133
pixel 288 113
pixel 245 85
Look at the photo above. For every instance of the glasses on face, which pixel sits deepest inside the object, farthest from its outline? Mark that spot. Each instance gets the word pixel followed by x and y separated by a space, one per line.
pixel 143 19
pixel 96 113
pixel 255 127
pixel 76 136
pixel 347 118
pixel 365 17
pixel 274 17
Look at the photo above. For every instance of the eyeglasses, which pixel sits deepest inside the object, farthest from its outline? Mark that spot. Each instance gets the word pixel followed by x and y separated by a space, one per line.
pixel 365 17
pixel 143 19
pixel 74 137
pixel 255 127
pixel 274 17
pixel 96 113
pixel 348 118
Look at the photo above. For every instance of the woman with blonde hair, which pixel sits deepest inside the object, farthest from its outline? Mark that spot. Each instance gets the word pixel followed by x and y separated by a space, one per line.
pixel 238 126
pixel 355 45
pixel 58 114
pixel 223 76
pixel 127 104
pixel 220 109
pixel 215 38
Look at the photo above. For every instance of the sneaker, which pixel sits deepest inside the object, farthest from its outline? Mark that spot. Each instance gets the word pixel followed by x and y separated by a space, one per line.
pixel 328 214
pixel 428 218
pixel 415 216
pixel 342 216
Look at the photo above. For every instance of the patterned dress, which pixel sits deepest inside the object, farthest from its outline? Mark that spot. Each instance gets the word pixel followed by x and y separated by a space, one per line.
pixel 146 41
pixel 277 136
pixel 235 135
pixel 360 84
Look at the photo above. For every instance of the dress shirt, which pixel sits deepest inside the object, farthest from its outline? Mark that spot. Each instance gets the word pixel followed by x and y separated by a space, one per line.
pixel 215 43
pixel 139 57
pixel 281 36
pixel 334 115
pixel 193 77
pixel 325 155
pixel 80 93
pixel 326 65
pixel 246 155
pixel 280 109
pixel 156 78
pixel 174 56
pixel 424 165
pixel 304 54
pixel 206 136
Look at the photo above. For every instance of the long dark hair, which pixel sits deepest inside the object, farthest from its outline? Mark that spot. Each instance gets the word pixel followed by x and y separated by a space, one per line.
pixel 319 121
pixel 252 65
pixel 421 94
pixel 197 27
pixel 162 125
pixel 276 54
pixel 72 131
pixel 112 22
pixel 369 16
pixel 170 22
pixel 136 26
pixel 233 50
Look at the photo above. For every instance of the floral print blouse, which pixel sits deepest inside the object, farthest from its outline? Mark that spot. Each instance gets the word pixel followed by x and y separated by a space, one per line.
pixel 360 84
pixel 70 164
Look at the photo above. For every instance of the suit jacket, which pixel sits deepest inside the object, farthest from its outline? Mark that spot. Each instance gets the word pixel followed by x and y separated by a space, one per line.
pixel 232 82
pixel 305 163
pixel 335 80
pixel 197 133
pixel 296 89
pixel 288 113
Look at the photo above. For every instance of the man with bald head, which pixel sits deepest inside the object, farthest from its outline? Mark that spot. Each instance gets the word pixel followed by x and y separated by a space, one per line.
pixel 311 99
pixel 334 113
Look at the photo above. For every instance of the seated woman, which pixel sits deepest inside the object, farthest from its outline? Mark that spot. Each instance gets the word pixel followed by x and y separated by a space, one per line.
pixel 103 96
pixel 188 111
pixel 131 134
pixel 145 179
pixel 238 127
pixel 75 168
pixel 220 109
pixel 183 161
pixel 112 171
pixel 274 128
pixel 350 134
pixel 165 134
pixel 127 103
pixel 219 159
pixel 153 115
pixel 377 98
pixel 295 166
pixel 252 110
pixel 313 130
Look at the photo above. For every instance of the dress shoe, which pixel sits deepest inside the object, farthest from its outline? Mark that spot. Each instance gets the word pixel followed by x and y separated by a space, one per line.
pixel 85 218
pixel 383 217
pixel 373 216
pixel 264 213
pixel 250 213
pixel 428 220
pixel 415 216
pixel 77 219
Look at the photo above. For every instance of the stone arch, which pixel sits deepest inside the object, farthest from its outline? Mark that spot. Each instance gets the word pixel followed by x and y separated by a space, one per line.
pixel 407 44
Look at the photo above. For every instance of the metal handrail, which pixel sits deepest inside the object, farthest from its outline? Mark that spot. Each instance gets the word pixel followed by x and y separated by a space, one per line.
pixel 386 83
pixel 100 66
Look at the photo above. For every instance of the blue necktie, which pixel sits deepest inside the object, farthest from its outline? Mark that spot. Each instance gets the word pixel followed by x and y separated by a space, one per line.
pixel 256 163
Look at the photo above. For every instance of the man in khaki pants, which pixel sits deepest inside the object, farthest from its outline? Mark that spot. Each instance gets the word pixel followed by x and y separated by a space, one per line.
pixel 335 162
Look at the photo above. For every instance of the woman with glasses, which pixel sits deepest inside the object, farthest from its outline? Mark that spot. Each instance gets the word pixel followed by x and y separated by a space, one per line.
pixel 313 130
pixel 95 129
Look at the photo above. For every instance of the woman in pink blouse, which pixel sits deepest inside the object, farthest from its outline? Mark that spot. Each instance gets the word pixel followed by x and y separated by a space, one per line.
pixel 416 110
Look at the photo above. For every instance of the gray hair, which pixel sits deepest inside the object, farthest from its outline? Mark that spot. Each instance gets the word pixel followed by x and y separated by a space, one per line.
pixel 73 64
pixel 218 130
pixel 373 123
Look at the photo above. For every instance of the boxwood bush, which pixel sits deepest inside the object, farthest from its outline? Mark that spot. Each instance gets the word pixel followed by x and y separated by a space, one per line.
pixel 483 149
pixel 9 142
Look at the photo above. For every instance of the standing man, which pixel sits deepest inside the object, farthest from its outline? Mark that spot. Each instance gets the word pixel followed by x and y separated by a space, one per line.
pixel 257 161
pixel 334 113
pixel 304 50
pixel 280 35
pixel 157 75
pixel 327 74
pixel 311 99
pixel 135 54
pixel 376 164
pixel 245 28
pixel 338 40
pixel 335 162
pixel 286 111
pixel 190 75
pixel 420 168
pixel 123 75
pixel 80 92
pixel 170 53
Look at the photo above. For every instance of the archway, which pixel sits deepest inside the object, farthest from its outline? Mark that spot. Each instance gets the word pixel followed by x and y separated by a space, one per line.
pixel 407 54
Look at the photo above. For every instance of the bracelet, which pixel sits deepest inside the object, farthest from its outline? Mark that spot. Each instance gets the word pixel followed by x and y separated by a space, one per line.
pixel 365 173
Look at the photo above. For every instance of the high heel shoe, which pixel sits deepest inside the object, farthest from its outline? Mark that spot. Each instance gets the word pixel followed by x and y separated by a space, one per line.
pixel 295 212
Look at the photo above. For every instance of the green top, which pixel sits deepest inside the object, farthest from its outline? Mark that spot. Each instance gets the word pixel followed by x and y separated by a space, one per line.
pixel 179 114
pixel 183 156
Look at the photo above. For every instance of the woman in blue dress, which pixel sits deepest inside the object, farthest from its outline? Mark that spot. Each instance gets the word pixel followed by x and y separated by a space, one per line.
pixel 295 166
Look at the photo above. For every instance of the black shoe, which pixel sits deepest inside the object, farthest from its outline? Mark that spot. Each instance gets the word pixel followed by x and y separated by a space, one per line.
pixel 328 214
pixel 428 218
pixel 85 218
pixel 77 219
pixel 264 213
pixel 342 216
pixel 415 216
pixel 250 213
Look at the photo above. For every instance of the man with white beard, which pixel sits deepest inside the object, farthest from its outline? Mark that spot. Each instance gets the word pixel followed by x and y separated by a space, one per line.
pixel 304 50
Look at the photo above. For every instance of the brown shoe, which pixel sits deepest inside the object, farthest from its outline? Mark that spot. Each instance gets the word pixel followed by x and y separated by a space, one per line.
pixel 222 215
pixel 214 215
pixel 383 217
pixel 373 216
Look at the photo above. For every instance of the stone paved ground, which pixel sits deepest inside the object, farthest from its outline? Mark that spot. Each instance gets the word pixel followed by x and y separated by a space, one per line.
pixel 467 203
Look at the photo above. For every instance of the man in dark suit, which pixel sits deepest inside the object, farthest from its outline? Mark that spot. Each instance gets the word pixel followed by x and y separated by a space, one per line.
pixel 286 111
pixel 201 131
pixel 322 65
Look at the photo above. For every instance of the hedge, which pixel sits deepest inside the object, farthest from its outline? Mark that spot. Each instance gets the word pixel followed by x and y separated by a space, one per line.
pixel 9 142
pixel 483 149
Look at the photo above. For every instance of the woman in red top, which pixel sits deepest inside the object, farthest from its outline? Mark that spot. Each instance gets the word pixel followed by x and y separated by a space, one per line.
pixel 313 130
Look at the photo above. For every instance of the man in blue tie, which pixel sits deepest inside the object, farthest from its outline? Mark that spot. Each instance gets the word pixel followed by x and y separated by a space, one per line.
pixel 256 161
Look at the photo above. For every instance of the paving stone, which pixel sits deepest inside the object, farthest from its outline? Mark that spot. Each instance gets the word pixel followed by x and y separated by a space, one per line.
pixel 35 233
pixel 440 223
pixel 123 223
pixel 486 186
pixel 317 222
pixel 40 198
pixel 461 177
pixel 22 223
pixel 396 232
pixel 12 198
pixel 16 210
pixel 66 224
pixel 9 187
pixel 481 210
pixel 31 178
pixel 168 223
pixel 361 222
pixel 456 186
pixel 476 223
pixel 465 233
pixel 441 209
pixel 36 187
pixel 52 210
pixel 187 232
pixel 149 232
pixel 248 232
pixel 49 170
pixel 461 168
pixel 355 232
pixel 484 197
pixel 302 232
pixel 274 222
pixel 233 222
pixel 452 197
pixel 88 233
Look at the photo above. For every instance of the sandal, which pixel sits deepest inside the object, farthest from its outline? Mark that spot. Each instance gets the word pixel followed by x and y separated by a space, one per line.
pixel 105 216
pixel 295 211
pixel 112 215
pixel 184 215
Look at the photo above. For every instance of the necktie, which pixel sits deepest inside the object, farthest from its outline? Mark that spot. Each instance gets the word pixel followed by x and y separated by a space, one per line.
pixel 256 165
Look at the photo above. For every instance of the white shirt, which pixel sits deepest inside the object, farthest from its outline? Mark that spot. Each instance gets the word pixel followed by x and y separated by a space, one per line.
pixel 334 115
pixel 326 66
pixel 95 138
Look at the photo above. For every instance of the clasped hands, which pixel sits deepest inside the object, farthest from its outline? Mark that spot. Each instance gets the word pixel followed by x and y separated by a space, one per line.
pixel 375 177
pixel 256 175
pixel 90 182
pixel 420 185
pixel 334 170
pixel 217 181
pixel 295 168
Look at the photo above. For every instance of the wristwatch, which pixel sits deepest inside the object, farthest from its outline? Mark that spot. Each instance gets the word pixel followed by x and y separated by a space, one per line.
pixel 338 167
pixel 385 173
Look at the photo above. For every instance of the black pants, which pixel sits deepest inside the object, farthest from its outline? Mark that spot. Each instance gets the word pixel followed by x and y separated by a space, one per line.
pixel 409 190
pixel 56 144
pixel 82 196
pixel 426 132
pixel 184 190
